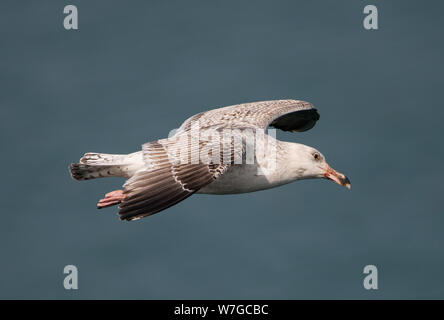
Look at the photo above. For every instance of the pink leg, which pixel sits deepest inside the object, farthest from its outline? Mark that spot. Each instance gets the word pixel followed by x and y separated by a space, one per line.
pixel 112 198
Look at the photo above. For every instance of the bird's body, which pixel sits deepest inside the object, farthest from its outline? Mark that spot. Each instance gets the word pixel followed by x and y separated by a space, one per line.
pixel 245 178
pixel 221 151
pixel 241 179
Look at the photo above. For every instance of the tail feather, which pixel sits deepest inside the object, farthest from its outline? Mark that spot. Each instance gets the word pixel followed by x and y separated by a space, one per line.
pixel 92 158
pixel 81 171
pixel 99 165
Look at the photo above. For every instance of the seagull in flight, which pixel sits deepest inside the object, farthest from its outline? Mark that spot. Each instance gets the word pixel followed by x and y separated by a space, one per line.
pixel 220 151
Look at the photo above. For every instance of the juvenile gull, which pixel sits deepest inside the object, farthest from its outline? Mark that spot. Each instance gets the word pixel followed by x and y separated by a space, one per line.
pixel 169 170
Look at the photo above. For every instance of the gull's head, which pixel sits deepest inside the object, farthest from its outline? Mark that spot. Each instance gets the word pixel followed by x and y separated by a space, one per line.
pixel 310 163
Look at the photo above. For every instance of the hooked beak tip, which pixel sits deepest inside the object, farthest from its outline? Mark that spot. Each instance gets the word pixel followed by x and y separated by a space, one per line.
pixel 337 177
pixel 345 182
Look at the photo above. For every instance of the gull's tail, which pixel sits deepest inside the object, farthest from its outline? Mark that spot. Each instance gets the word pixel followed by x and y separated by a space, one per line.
pixel 100 165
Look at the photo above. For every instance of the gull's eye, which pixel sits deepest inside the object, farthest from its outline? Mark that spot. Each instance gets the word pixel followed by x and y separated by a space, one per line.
pixel 316 156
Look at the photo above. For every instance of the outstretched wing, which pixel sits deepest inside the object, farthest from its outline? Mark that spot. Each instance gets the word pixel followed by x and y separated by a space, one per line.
pixel 149 192
pixel 286 115
pixel 167 179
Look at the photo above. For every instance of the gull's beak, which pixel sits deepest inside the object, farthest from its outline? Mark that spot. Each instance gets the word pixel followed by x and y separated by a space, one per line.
pixel 337 177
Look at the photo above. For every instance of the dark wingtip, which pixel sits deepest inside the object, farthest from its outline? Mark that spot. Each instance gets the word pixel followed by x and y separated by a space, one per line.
pixel 297 121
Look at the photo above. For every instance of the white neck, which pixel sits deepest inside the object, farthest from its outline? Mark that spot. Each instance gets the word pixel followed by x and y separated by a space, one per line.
pixel 291 163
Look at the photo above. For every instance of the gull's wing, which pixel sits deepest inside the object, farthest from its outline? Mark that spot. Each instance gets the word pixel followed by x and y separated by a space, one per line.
pixel 170 178
pixel 287 115
pixel 149 192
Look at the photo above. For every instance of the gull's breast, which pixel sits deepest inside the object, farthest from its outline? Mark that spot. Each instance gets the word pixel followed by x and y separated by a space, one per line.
pixel 241 178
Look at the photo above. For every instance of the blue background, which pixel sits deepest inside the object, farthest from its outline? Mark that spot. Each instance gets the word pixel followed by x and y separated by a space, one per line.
pixel 135 70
